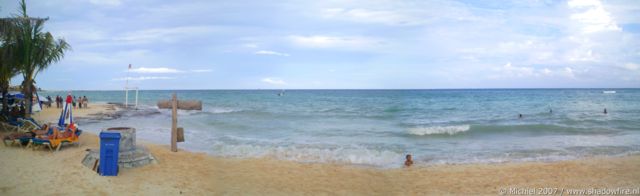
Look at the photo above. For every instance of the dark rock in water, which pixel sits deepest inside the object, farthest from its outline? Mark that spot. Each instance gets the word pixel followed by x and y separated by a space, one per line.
pixel 130 155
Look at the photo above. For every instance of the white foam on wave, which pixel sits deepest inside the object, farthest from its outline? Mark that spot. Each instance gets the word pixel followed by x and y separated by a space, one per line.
pixel 434 130
pixel 221 110
pixel 340 155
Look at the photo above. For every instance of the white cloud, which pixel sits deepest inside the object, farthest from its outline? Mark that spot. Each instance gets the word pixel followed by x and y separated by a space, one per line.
pixel 171 34
pixel 82 34
pixel 274 81
pixel 250 45
pixel 593 16
pixel 269 52
pixel 166 70
pixel 86 57
pixel 371 16
pixel 106 2
pixel 349 42
pixel 201 70
pixel 140 78
pixel 155 70
pixel 510 71
pixel 631 66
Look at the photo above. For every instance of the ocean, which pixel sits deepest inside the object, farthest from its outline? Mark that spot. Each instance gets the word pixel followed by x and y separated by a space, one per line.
pixel 379 127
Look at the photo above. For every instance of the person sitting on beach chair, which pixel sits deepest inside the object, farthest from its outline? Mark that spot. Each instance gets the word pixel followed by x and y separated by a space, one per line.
pixel 57 138
pixel 56 133
pixel 43 132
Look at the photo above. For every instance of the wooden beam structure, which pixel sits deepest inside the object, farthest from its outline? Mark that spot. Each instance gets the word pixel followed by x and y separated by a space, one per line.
pixel 174 123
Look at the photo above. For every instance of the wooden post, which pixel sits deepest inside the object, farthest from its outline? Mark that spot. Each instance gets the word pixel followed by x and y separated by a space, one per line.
pixel 174 123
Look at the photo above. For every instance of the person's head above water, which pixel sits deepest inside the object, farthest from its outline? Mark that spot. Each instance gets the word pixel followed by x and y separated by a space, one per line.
pixel 409 161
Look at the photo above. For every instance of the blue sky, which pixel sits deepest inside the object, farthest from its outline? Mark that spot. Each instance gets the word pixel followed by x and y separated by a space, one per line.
pixel 341 44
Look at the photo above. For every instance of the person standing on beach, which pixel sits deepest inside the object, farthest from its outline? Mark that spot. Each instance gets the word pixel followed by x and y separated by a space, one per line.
pixel 73 102
pixel 86 101
pixel 79 102
pixel 49 101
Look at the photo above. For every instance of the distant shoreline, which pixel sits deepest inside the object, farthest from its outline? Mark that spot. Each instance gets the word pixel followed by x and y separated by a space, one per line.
pixel 364 89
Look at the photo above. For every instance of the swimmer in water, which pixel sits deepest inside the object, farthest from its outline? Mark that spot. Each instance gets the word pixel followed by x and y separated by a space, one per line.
pixel 409 161
pixel 519 115
pixel 605 111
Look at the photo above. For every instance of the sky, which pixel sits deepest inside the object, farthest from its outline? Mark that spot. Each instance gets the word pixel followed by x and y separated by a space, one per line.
pixel 346 44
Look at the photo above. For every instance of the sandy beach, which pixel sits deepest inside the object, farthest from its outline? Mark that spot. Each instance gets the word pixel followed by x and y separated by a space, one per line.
pixel 27 172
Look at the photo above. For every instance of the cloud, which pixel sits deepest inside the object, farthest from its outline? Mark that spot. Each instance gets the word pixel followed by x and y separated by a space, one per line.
pixel 86 57
pixel 155 70
pixel 510 71
pixel 631 66
pixel 371 16
pixel 169 34
pixel 250 45
pixel 166 70
pixel 201 70
pixel 347 42
pixel 140 78
pixel 274 81
pixel 269 52
pixel 593 16
pixel 106 2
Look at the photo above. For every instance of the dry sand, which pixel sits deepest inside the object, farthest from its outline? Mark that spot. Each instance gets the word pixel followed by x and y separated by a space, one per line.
pixel 27 172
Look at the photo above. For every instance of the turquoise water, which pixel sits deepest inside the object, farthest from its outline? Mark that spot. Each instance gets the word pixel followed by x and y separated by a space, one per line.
pixel 378 127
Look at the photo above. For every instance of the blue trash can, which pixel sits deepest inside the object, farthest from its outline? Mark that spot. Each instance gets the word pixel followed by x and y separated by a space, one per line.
pixel 109 148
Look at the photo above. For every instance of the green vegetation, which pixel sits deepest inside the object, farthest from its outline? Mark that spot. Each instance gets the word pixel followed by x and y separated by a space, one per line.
pixel 26 49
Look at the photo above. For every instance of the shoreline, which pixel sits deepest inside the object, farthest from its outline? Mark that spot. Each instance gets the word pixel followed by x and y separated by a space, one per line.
pixel 31 172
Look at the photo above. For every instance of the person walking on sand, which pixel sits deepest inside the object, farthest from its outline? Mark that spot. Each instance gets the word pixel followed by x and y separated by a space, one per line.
pixel 408 162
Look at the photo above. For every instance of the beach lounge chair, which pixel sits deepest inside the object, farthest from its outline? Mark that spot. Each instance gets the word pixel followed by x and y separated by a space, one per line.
pixel 28 125
pixel 73 138
pixel 17 138
pixel 6 127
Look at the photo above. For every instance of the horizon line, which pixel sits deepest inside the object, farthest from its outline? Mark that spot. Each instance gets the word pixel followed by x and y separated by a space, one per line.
pixel 280 89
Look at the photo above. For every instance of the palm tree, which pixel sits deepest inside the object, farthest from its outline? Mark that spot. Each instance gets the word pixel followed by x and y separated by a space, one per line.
pixel 36 50
pixel 8 66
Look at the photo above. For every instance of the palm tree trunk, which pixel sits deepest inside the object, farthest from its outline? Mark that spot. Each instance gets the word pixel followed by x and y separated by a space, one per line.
pixel 27 89
pixel 5 100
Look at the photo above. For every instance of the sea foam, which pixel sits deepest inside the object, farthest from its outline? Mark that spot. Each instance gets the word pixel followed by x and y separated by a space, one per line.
pixel 434 130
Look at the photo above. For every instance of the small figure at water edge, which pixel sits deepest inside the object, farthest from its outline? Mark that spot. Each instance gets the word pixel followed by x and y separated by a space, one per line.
pixel 519 115
pixel 409 161
pixel 605 111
